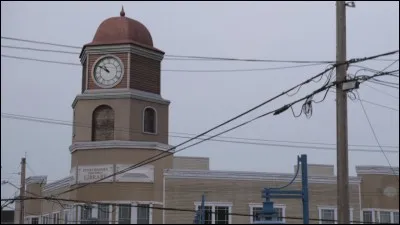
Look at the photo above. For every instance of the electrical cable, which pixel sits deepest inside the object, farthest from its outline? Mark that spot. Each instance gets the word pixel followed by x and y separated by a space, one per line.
pixel 179 134
pixel 178 57
pixel 162 208
pixel 172 70
pixel 275 112
pixel 167 153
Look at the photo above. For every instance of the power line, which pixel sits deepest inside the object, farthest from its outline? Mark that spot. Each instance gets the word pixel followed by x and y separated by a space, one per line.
pixel 372 103
pixel 179 135
pixel 275 112
pixel 172 70
pixel 179 57
pixel 376 138
pixel 168 152
pixel 386 85
pixel 372 128
pixel 381 91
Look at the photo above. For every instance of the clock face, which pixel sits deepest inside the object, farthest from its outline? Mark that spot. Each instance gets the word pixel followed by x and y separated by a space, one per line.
pixel 108 71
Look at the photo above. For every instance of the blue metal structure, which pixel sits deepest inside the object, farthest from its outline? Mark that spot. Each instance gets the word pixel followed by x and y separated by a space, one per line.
pixel 199 218
pixel 268 214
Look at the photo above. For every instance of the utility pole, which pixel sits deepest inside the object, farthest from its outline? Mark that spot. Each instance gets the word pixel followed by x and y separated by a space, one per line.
pixel 22 192
pixel 341 117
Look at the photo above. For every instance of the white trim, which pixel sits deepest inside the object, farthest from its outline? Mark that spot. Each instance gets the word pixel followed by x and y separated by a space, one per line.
pixel 122 48
pixel 151 214
pixel 53 217
pixel 87 73
pixel 260 205
pixel 329 207
pixel 213 205
pixel 36 180
pixel 156 120
pixel 114 144
pixel 248 176
pixel 120 93
pixel 62 183
pixel 163 212
pixel 378 211
pixel 119 79
pixel 377 170
pixel 134 212
pixel 360 202
pixel 95 211
pixel 128 72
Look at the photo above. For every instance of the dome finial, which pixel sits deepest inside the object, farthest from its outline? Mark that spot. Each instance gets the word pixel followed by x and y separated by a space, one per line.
pixel 122 13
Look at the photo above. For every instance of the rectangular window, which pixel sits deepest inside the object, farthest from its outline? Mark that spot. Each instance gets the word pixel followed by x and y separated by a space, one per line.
pixel 143 214
pixel 86 214
pixel 384 217
pixel 207 214
pixel 327 216
pixel 216 214
pixel 56 218
pixel 367 217
pixel 396 217
pixel 124 214
pixel 221 215
pixel 35 220
pixel 103 213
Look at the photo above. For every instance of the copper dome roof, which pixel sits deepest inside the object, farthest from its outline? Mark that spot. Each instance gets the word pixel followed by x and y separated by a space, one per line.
pixel 122 30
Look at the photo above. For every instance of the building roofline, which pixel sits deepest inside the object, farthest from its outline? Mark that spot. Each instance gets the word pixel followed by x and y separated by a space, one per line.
pixel 248 176
pixel 377 170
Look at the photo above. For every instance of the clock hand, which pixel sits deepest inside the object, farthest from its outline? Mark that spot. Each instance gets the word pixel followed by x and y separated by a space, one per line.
pixel 104 68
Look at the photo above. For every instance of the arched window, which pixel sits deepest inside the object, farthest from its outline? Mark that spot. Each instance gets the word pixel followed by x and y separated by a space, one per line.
pixel 103 123
pixel 150 120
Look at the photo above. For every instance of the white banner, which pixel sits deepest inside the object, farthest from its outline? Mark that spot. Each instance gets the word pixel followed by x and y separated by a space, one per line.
pixel 87 174
pixel 144 174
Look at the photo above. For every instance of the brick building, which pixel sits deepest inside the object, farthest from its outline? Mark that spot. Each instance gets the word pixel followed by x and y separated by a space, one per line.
pixel 120 119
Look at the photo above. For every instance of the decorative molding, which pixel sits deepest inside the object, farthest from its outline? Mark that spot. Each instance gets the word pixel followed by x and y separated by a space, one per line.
pixel 92 145
pixel 87 73
pixel 65 182
pixel 248 176
pixel 377 170
pixel 143 174
pixel 120 94
pixel 121 48
pixel 36 180
pixel 128 71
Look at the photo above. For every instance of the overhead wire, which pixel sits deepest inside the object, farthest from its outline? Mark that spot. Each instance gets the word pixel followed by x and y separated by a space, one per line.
pixel 168 152
pixel 372 128
pixel 172 70
pixel 172 56
pixel 179 134
pixel 163 208
pixel 275 112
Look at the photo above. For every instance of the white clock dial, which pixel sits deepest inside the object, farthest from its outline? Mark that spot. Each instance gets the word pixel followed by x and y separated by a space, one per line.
pixel 108 71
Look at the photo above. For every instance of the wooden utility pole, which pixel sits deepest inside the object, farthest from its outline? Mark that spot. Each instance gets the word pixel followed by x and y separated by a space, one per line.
pixel 22 192
pixel 341 117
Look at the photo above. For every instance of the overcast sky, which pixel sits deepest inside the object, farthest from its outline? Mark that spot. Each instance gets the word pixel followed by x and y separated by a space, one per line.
pixel 266 30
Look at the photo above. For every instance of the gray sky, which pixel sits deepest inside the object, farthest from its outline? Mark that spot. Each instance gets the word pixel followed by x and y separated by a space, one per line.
pixel 268 30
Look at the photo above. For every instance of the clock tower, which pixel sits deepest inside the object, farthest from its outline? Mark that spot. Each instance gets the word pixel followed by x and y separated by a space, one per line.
pixel 120 118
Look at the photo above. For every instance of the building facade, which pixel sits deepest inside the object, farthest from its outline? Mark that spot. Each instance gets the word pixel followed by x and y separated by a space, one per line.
pixel 121 120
